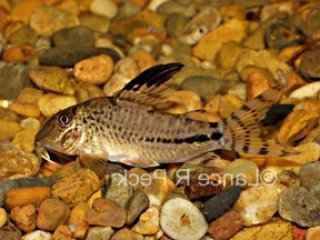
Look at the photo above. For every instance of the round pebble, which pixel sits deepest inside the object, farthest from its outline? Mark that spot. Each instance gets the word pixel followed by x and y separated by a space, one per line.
pixel 3 217
pixel 24 217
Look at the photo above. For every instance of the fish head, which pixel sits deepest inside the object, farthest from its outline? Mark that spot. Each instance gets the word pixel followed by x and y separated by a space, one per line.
pixel 60 134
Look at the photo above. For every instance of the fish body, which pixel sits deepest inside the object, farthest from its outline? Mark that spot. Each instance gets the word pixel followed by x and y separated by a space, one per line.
pixel 128 128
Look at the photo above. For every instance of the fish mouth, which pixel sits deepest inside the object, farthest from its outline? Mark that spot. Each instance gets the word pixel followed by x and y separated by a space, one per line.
pixel 44 154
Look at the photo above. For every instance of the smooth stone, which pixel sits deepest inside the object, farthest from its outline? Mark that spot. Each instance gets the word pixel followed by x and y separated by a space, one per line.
pixel 106 213
pixel 309 66
pixel 14 77
pixel 95 22
pixel 228 54
pixel 22 10
pixel 49 78
pixel 25 109
pixel 21 196
pixel 4 17
pixel 24 35
pixel 69 56
pixel 127 67
pixel 206 86
pixel 299 206
pixel 8 129
pixel 148 222
pixel 119 191
pixel 6 185
pixel 77 187
pixel 127 10
pixel 29 95
pixel 313 233
pixel 8 115
pixel 127 234
pixel 3 217
pixel 180 219
pixel 310 174
pixel 18 163
pixel 309 90
pixel 25 139
pixel 10 232
pixel 217 205
pixel 277 113
pixel 86 91
pixel 24 217
pixel 46 20
pixel 202 189
pixel 37 235
pixel 99 233
pixel 315 190
pixel 78 220
pixel 226 226
pixel 175 24
pixel 136 205
pixel 50 103
pixel 105 8
pixel 96 70
pixel 62 232
pixel 258 204
pixel 75 36
pixel 30 122
pixel 52 213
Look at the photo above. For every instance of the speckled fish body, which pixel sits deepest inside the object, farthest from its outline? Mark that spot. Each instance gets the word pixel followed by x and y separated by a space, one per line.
pixel 123 130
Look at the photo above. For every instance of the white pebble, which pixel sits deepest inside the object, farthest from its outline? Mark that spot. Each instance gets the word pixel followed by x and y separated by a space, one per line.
pixel 37 235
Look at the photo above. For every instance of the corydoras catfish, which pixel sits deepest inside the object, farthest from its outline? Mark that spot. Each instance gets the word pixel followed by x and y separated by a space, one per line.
pixel 130 128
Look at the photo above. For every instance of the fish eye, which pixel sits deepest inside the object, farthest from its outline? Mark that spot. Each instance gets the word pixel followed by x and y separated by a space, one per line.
pixel 64 119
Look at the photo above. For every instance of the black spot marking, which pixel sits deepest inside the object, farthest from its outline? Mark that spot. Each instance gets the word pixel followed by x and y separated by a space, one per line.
pixel 149 139
pixel 261 98
pixel 197 138
pixel 245 148
pixel 246 108
pixel 213 125
pixel 216 135
pixel 263 150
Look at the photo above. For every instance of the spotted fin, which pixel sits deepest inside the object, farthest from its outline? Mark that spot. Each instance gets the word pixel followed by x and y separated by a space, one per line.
pixel 148 87
pixel 243 127
pixel 96 163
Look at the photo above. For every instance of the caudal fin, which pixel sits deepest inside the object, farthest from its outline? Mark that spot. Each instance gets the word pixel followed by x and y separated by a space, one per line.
pixel 243 127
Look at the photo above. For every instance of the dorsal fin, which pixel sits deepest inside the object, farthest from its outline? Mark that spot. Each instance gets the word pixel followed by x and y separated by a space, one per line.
pixel 146 87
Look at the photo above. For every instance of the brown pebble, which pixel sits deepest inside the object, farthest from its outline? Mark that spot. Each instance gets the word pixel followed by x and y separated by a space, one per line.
pixel 25 109
pixel 24 217
pixel 63 232
pixel 22 196
pixel 106 213
pixel 52 213
pixel 21 53
pixel 196 189
pixel 226 226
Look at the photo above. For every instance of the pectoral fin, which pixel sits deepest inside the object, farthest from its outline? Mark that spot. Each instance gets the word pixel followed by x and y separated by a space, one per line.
pixel 95 162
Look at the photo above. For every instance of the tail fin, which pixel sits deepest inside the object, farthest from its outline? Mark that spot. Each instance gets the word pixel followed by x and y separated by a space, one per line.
pixel 243 127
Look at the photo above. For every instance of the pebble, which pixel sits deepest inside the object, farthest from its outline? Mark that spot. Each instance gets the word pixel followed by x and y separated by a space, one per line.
pixel 228 54
pixel 52 213
pixel 77 220
pixel 62 232
pixel 181 220
pixel 202 189
pixel 69 56
pixel 127 234
pixel 241 171
pixel 148 222
pixel 6 114
pixel 25 109
pixel 50 103
pixel 143 59
pixel 29 95
pixel 86 91
pixel 30 123
pixel 115 84
pixel 24 35
pixel 127 67
pixel 258 204
pixel 100 233
pixel 21 53
pixel 24 217
pixel 22 196
pixel 24 140
pixel 299 206
pixel 288 178
pixel 77 187
pixel 226 226
pixel 8 129
pixel 96 70
pixel 106 213
pixel 10 232
pixel 136 205
pixel 313 233
pixel 53 79
pixel 309 90
pixel 46 20
pixel 14 77
pixel 75 36
pixel 309 174
pixel 216 38
pixel 215 206
pixel 4 17
pixel 18 163
pixel 95 22
pixel 37 235
pixel 119 191
pixel 3 217
pixel 308 65
pixel 105 8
